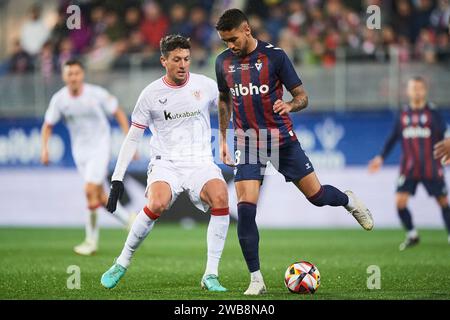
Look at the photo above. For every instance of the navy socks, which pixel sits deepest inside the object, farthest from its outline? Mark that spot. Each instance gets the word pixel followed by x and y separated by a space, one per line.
pixel 248 234
pixel 406 219
pixel 329 196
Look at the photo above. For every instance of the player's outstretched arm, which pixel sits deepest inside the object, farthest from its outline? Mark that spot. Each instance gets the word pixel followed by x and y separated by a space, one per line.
pixel 442 151
pixel 126 154
pixel 122 120
pixel 224 106
pixel 46 132
pixel 299 102
pixel 375 164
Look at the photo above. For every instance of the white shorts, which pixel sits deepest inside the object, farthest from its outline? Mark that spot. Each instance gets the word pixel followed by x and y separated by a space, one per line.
pixel 94 169
pixel 184 176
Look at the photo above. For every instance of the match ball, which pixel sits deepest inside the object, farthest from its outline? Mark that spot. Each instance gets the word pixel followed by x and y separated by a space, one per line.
pixel 302 277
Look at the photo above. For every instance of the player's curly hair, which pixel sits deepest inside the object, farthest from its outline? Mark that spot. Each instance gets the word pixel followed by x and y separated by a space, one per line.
pixel 172 42
pixel 230 19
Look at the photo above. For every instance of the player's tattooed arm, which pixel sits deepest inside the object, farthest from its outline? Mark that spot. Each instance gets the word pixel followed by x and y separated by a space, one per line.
pixel 300 99
pixel 224 112
pixel 298 102
pixel 224 120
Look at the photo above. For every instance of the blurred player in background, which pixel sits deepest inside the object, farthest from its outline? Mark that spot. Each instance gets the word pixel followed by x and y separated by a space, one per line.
pixel 254 73
pixel 84 108
pixel 176 109
pixel 419 127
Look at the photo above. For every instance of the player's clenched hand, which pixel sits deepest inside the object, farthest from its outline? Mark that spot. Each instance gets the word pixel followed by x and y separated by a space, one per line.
pixel 442 151
pixel 115 194
pixel 225 155
pixel 44 157
pixel 281 107
pixel 375 164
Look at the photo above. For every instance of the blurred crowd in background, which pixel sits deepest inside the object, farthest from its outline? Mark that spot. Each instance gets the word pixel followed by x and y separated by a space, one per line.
pixel 123 34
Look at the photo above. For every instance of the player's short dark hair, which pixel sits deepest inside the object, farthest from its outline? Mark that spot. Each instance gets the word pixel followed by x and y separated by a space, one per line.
pixel 73 62
pixel 230 19
pixel 419 79
pixel 172 42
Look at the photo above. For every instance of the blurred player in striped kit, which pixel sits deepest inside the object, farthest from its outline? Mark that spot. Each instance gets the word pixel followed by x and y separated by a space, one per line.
pixel 420 127
pixel 84 108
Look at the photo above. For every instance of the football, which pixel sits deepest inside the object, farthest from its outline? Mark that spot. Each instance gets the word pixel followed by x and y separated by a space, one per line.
pixel 302 277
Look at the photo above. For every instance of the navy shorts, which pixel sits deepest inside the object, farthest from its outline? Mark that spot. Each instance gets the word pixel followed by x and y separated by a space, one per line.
pixel 293 164
pixel 435 188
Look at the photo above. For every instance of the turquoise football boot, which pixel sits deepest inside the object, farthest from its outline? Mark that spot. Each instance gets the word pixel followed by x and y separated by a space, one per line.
pixel 211 283
pixel 111 278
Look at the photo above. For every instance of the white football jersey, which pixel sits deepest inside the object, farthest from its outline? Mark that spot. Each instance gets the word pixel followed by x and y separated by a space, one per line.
pixel 178 117
pixel 86 118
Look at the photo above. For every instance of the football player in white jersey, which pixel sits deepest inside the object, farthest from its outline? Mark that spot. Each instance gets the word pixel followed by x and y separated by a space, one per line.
pixel 84 108
pixel 176 109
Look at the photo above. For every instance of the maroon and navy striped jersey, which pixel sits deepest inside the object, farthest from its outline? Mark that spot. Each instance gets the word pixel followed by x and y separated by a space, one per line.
pixel 419 131
pixel 255 83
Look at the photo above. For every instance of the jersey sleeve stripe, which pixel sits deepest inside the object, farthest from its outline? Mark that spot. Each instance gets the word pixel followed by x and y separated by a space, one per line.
pixel 140 126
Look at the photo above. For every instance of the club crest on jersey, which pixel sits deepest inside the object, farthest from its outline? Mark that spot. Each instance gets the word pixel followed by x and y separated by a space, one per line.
pixel 163 101
pixel 258 65
pixel 231 68
pixel 197 94
pixel 405 120
pixel 423 119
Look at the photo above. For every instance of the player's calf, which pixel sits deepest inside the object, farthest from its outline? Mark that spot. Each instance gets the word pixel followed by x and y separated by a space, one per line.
pixel 93 195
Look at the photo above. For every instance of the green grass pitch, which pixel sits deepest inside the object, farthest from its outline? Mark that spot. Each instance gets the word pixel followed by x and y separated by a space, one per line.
pixel 171 261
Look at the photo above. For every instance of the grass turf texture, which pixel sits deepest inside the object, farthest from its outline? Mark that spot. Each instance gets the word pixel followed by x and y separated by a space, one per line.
pixel 170 263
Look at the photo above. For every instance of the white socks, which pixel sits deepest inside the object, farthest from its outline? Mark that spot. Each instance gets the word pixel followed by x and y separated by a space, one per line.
pixel 139 231
pixel 121 214
pixel 350 205
pixel 412 234
pixel 216 235
pixel 92 229
pixel 256 276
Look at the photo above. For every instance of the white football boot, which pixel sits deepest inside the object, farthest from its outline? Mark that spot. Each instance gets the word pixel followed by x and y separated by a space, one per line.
pixel 359 211
pixel 87 248
pixel 256 286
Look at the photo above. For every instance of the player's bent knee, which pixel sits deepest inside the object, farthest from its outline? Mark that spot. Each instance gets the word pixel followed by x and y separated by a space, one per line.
pixel 91 195
pixel 157 206
pixel 220 200
pixel 401 205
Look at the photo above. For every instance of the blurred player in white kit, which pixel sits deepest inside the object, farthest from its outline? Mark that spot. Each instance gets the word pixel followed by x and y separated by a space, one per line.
pixel 176 109
pixel 85 109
